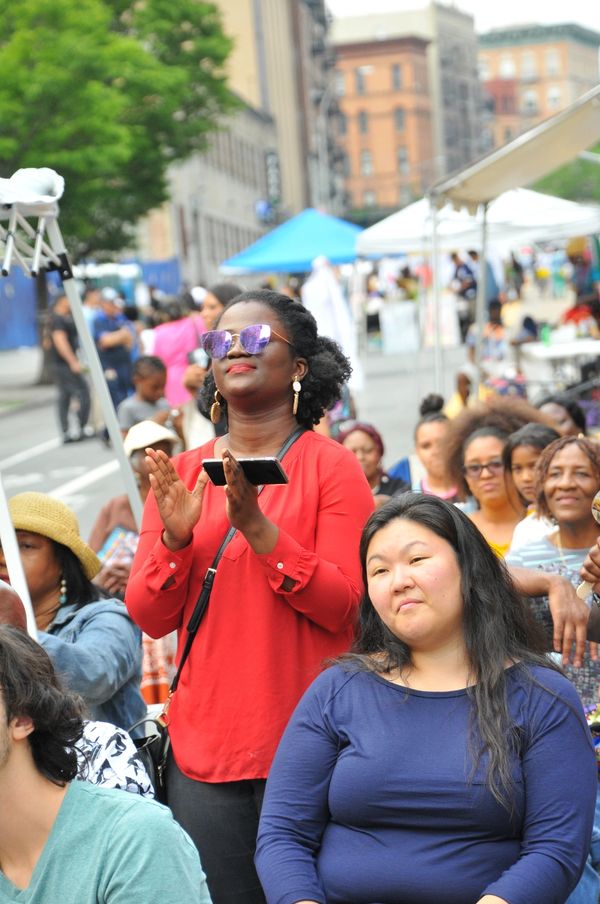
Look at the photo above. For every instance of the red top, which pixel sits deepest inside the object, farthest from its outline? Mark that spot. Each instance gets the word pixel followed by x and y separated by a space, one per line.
pixel 258 646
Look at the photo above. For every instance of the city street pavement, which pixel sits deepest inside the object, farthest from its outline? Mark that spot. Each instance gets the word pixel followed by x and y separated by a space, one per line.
pixel 85 474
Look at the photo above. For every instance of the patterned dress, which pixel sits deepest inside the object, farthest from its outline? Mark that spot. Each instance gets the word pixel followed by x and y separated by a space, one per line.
pixel 544 556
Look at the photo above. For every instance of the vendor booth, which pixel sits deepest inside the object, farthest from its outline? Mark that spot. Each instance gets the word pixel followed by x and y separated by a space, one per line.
pixel 293 246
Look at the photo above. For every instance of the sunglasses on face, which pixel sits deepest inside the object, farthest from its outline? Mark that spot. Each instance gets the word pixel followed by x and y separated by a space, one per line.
pixel 253 340
pixel 494 466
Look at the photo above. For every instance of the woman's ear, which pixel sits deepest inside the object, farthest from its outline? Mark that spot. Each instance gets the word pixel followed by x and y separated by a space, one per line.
pixel 301 368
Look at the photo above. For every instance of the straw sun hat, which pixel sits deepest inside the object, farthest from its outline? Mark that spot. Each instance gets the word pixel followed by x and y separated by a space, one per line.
pixel 41 514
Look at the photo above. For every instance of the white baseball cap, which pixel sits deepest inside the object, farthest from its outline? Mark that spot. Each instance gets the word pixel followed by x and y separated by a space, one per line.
pixel 147 433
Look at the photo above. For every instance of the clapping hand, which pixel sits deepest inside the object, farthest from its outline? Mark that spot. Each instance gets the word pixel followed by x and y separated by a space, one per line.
pixel 178 507
pixel 243 510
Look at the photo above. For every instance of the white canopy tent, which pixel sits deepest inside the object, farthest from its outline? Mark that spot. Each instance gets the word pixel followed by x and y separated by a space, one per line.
pixel 533 154
pixel 518 216
pixel 32 240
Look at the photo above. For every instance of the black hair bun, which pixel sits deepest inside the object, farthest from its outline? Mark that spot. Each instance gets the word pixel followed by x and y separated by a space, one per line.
pixel 431 404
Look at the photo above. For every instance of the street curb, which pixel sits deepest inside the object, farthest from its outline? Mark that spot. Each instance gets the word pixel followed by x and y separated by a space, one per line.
pixel 27 405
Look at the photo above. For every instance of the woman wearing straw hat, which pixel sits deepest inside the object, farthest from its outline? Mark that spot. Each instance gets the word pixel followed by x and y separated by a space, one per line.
pixel 91 640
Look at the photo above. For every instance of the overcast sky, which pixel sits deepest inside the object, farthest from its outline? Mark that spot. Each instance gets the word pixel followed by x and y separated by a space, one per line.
pixel 489 14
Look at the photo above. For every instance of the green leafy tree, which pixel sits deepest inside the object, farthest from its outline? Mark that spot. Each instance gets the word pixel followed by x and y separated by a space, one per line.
pixel 109 93
pixel 577 181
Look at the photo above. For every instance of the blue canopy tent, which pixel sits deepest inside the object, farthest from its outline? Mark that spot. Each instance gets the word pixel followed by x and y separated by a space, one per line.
pixel 292 247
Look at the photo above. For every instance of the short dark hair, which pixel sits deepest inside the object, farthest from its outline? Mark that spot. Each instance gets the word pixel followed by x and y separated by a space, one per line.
pixel 30 687
pixel 538 436
pixel 328 367
pixel 149 364
pixel 565 401
pixel 589 448
pixel 497 626
pixel 225 291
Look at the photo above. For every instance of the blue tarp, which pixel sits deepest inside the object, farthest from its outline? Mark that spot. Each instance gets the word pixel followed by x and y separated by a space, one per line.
pixel 18 311
pixel 292 247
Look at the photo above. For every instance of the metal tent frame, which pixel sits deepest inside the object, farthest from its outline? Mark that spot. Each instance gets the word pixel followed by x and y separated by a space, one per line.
pixel 532 155
pixel 30 238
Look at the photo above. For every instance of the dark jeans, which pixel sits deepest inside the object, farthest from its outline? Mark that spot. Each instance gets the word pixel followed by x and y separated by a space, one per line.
pixel 222 820
pixel 71 386
pixel 119 382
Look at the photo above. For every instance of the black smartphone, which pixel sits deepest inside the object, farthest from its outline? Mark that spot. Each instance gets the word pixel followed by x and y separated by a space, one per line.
pixel 258 471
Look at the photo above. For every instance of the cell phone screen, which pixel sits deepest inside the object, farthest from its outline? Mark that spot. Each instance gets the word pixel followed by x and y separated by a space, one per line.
pixel 259 471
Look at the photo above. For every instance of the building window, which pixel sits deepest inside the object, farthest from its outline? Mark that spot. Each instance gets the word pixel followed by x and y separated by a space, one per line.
pixel 366 163
pixel 507 67
pixel 554 98
pixel 396 77
pixel 363 122
pixel 530 103
pixel 399 119
pixel 402 159
pixel 345 165
pixel 552 61
pixel 340 84
pixel 405 195
pixel 359 77
pixel 507 134
pixel 508 105
pixel 484 69
pixel 342 123
pixel 369 199
pixel 528 65
pixel 487 140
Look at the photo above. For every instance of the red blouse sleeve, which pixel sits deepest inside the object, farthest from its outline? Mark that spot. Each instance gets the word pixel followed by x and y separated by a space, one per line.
pixel 157 589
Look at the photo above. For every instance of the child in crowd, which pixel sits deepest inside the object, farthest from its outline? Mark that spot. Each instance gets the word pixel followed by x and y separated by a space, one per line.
pixel 148 402
pixel 520 456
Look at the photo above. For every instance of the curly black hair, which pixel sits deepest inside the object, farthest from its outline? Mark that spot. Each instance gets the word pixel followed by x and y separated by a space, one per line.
pixel 506 413
pixel 30 687
pixel 328 367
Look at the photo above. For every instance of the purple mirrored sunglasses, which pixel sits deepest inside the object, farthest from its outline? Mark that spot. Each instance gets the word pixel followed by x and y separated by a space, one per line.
pixel 253 340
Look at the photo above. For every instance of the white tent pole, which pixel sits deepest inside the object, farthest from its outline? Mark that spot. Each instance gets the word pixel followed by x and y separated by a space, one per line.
pixel 97 375
pixel 12 557
pixel 480 306
pixel 437 308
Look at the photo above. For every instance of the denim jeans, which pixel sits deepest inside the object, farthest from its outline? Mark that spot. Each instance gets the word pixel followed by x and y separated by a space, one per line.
pixel 587 890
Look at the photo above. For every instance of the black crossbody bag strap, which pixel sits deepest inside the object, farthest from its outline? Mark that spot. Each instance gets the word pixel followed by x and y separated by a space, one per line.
pixel 209 578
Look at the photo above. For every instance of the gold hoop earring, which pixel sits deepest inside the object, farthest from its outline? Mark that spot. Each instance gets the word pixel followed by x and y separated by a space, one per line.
pixel 297 387
pixel 216 411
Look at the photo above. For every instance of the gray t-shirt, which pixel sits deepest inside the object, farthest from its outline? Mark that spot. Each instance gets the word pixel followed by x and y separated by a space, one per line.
pixel 133 410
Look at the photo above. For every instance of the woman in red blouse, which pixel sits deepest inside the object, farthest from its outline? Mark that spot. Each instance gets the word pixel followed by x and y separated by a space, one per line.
pixel 287 589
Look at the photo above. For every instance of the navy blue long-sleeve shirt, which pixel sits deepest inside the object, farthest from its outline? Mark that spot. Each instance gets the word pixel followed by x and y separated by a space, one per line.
pixel 369 799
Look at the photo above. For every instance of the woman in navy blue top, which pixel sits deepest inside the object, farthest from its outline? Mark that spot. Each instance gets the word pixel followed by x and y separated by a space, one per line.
pixel 444 760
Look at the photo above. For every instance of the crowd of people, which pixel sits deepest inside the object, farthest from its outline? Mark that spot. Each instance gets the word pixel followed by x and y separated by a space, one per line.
pixel 384 698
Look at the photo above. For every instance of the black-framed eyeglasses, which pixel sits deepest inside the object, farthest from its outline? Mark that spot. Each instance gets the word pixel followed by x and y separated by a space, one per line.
pixel 253 339
pixel 494 466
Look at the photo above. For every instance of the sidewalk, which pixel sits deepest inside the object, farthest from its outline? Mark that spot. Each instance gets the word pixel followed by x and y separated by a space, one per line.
pixel 19 390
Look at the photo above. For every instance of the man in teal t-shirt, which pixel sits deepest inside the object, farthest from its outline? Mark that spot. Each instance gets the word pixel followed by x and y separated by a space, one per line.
pixel 66 841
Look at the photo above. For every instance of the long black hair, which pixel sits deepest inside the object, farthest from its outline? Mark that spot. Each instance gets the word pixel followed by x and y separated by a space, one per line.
pixel 80 589
pixel 328 367
pixel 29 687
pixel 497 629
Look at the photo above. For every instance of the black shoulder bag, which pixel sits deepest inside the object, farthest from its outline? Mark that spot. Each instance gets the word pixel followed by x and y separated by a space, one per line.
pixel 154 747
